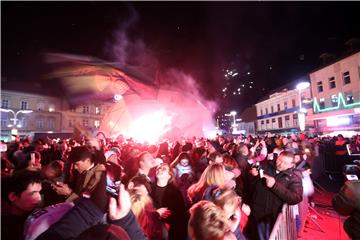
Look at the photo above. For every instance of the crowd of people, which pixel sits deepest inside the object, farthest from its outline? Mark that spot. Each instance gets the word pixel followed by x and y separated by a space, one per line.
pixel 188 189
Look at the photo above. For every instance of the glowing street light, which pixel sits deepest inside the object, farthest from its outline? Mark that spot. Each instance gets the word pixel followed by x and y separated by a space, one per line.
pixel 301 86
pixel 14 119
pixel 14 130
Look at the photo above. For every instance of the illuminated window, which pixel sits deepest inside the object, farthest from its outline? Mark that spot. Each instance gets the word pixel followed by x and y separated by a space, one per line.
pixel 320 86
pixel 278 107
pixel 346 77
pixel 285 106
pixel 97 123
pixel 322 103
pixel 51 107
pixel 24 105
pixel 349 98
pixel 97 110
pixel 332 83
pixel 5 103
pixel 334 100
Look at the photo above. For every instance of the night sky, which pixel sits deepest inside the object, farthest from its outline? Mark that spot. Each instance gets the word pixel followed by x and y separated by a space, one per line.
pixel 268 43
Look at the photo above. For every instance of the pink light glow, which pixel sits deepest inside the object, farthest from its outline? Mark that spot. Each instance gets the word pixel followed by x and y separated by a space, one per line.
pixel 149 127
pixel 172 115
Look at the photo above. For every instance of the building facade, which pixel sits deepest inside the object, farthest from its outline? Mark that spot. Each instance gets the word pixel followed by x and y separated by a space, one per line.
pixel 48 114
pixel 15 114
pixel 336 96
pixel 280 112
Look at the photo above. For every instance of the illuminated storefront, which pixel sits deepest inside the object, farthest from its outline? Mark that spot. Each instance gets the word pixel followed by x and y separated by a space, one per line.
pixel 336 96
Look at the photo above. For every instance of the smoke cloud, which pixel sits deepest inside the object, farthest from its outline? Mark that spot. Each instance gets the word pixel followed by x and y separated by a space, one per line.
pixel 179 95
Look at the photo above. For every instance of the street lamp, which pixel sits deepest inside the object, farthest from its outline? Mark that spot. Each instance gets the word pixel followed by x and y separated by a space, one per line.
pixel 233 114
pixel 301 115
pixel 14 119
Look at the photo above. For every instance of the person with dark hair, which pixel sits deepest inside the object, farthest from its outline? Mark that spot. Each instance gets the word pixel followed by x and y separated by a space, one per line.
pixel 207 221
pixel 145 163
pixel 91 181
pixel 169 202
pixel 31 162
pixel 272 186
pixel 20 196
pixel 215 157
pixel 53 172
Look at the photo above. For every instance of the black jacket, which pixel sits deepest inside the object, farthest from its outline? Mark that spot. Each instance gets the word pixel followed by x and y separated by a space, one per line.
pixel 267 202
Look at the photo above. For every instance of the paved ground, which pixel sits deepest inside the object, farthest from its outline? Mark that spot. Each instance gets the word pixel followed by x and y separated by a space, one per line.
pixel 328 219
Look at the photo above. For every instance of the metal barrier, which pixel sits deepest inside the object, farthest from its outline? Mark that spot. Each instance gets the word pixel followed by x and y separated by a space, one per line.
pixel 285 225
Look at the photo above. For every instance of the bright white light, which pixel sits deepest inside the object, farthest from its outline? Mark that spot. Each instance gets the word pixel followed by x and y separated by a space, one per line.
pixel 235 74
pixel 248 73
pixel 239 89
pixel 150 127
pixel 50 132
pixel 51 109
pixel 233 113
pixel 19 126
pixel 302 85
pixel 111 124
pixel 118 97
pixel 9 125
pixel 338 121
pixel 302 121
pixel 26 111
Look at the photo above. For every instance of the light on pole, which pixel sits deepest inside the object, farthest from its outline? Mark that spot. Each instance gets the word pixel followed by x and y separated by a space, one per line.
pixel 233 114
pixel 15 119
pixel 301 115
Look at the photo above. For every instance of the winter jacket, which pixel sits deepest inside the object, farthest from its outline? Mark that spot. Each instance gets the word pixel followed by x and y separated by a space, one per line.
pixel 267 202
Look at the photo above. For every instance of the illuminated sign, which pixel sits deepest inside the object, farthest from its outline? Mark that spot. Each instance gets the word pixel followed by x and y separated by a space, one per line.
pixel 340 100
pixel 338 121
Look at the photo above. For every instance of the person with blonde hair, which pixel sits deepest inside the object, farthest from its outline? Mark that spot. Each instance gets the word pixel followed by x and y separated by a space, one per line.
pixel 213 175
pixel 208 222
pixel 147 216
pixel 231 204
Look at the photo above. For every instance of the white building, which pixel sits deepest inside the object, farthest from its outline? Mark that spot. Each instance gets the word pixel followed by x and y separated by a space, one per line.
pixel 336 95
pixel 279 112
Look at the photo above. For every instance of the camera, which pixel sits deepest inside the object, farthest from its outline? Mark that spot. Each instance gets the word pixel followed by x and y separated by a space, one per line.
pixel 351 171
pixel 259 168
